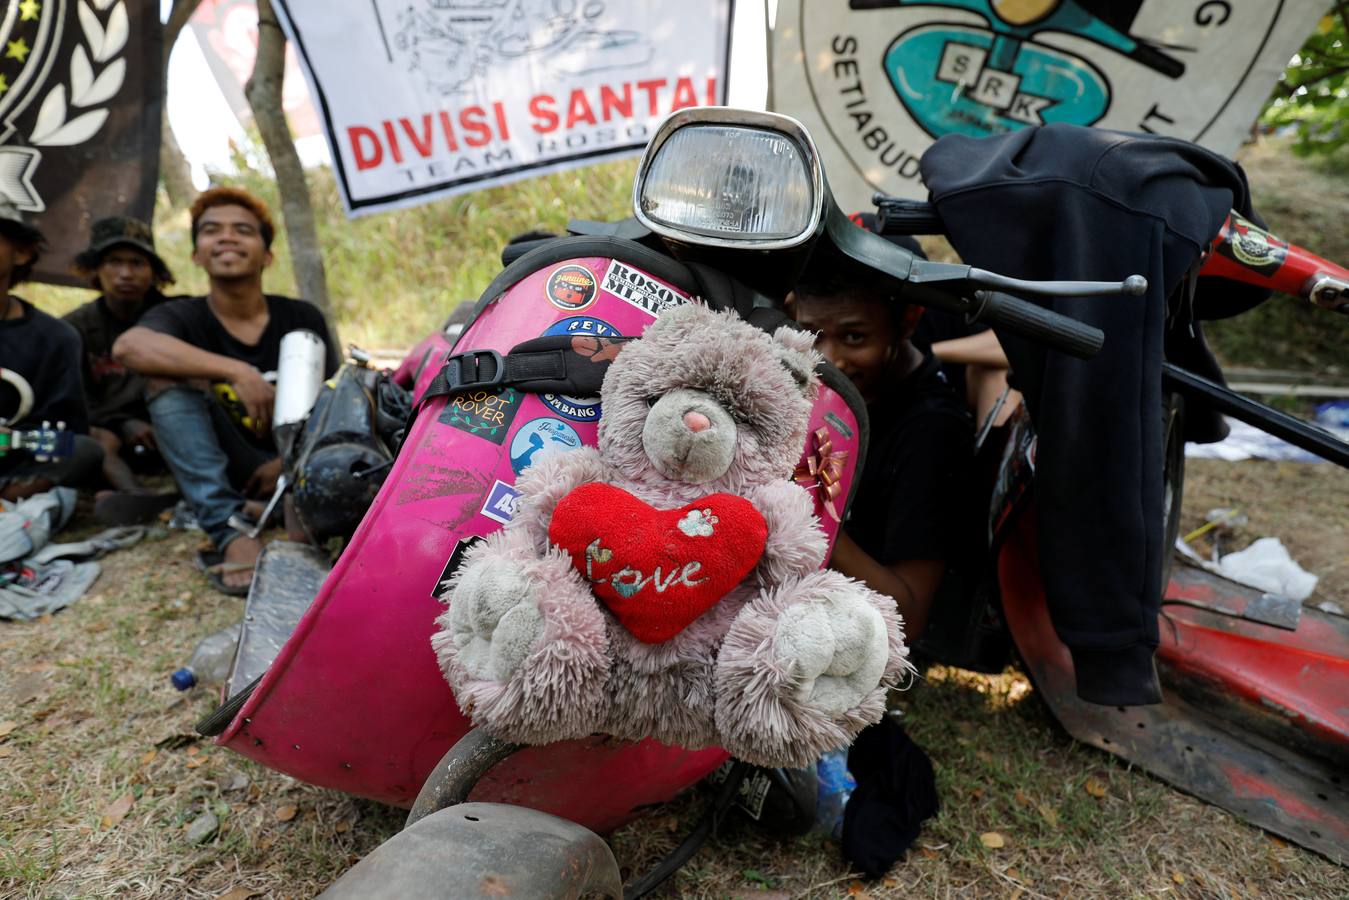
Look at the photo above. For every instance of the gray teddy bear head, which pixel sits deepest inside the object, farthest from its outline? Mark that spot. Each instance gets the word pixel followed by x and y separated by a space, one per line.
pixel 706 402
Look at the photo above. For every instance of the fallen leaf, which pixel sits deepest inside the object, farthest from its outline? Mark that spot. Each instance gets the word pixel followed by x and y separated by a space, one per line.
pixel 342 827
pixel 266 843
pixel 116 811
pixel 193 751
pixel 1022 798
pixel 196 762
pixel 236 894
pixel 1277 841
pixel 929 853
pixel 6 751
pixel 856 889
pixel 1049 814
pixel 7 727
pixel 1094 786
pixel 976 793
pixel 148 757
pixel 1177 878
pixel 890 882
pixel 286 813
pixel 992 840
pixel 95 627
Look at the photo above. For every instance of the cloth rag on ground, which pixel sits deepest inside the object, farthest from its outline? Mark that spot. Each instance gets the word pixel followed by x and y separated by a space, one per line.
pixel 896 792
pixel 38 577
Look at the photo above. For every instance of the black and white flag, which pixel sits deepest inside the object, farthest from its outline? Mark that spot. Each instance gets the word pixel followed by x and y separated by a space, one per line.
pixel 79 117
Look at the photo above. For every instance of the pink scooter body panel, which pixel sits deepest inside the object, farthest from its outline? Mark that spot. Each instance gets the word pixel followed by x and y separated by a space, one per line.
pixel 355 700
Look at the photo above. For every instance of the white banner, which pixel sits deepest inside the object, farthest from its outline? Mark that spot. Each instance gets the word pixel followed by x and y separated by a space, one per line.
pixel 877 81
pixel 425 98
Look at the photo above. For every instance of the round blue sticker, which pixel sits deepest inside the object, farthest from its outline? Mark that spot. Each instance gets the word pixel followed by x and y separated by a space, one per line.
pixel 578 409
pixel 539 438
pixel 587 325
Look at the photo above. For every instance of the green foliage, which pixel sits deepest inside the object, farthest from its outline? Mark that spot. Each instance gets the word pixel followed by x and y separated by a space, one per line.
pixel 1313 95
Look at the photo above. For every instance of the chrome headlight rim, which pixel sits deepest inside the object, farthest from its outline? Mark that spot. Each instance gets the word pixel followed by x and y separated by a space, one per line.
pixel 750 120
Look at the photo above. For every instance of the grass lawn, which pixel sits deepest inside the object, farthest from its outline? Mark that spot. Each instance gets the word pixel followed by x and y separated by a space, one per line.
pixel 105 791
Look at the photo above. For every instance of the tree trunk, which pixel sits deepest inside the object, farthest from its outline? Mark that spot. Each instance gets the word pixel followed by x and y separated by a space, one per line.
pixel 173 167
pixel 264 97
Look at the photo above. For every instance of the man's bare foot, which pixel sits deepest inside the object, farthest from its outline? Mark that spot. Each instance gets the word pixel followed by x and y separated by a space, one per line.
pixel 242 551
pixel 22 490
pixel 263 480
pixel 253 509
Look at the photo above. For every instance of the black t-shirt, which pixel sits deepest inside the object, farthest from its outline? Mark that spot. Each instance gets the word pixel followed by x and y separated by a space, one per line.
pixel 190 319
pixel 910 501
pixel 46 352
pixel 115 393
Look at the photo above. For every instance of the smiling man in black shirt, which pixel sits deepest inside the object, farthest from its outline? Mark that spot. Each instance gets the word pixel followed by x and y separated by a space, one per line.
pixel 232 336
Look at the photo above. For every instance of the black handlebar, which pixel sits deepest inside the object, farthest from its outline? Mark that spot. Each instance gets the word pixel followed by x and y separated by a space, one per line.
pixel 1060 332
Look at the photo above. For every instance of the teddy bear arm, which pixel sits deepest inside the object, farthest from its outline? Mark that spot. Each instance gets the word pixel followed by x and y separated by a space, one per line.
pixel 796 543
pixel 805 667
pixel 543 485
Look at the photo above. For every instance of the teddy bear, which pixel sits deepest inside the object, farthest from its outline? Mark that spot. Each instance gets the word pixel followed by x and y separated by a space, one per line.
pixel 667 583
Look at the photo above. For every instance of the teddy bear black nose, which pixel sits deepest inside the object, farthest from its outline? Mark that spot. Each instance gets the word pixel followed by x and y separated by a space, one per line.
pixel 696 421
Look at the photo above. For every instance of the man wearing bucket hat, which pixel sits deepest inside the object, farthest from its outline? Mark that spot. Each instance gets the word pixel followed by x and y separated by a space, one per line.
pixel 228 338
pixel 39 374
pixel 122 264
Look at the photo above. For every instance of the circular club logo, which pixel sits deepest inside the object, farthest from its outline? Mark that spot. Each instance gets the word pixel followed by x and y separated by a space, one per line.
pixel 571 288
pixel 889 76
pixel 539 438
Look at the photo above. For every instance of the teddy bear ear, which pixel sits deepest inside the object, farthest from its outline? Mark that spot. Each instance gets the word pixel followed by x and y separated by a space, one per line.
pixel 797 351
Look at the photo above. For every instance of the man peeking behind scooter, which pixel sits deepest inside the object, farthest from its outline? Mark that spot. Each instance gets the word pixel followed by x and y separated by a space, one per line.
pixel 198 349
pixel 905 524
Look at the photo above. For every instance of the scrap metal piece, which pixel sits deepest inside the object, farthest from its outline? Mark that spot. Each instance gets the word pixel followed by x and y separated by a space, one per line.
pixel 287 579
pixel 485 850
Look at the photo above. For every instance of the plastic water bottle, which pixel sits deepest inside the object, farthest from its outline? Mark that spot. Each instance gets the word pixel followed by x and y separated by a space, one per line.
pixel 836 786
pixel 211 661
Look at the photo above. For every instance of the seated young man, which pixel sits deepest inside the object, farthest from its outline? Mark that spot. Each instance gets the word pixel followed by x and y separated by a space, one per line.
pixel 122 264
pixel 230 336
pixel 904 526
pixel 42 355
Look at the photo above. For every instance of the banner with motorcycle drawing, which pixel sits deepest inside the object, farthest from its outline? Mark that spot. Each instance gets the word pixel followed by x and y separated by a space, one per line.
pixel 876 81
pixel 79 118
pixel 425 98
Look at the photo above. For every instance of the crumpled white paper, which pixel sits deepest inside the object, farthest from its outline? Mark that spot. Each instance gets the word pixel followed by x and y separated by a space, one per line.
pixel 1266 565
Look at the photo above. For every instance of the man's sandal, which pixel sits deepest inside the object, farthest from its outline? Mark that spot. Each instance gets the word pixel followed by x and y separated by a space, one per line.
pixel 213 564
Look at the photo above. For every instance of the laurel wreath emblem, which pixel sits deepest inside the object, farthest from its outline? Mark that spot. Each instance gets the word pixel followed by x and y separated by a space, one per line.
pixel 60 123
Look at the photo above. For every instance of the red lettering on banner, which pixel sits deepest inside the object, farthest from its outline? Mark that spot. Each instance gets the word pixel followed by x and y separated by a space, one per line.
pixel 684 94
pixel 423 141
pixel 477 133
pixel 503 130
pixel 389 136
pixel 611 104
pixel 448 128
pixel 357 134
pixel 541 108
pixel 578 110
pixel 651 87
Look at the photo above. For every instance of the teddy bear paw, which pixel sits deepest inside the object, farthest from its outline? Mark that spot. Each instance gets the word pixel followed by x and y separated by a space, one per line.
pixel 494 620
pixel 836 650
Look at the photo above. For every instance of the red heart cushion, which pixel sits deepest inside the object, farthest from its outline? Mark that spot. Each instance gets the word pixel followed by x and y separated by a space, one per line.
pixel 658 570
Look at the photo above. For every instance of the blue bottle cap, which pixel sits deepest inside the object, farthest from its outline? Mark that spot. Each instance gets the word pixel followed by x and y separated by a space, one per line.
pixel 183 679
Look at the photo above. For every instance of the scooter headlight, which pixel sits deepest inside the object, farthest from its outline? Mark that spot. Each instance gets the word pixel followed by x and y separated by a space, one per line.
pixel 734 178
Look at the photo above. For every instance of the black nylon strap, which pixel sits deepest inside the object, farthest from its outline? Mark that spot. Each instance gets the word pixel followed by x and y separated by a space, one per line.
pixel 562 364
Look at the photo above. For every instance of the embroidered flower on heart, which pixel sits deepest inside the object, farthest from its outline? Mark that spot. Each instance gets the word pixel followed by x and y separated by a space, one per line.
pixel 698 523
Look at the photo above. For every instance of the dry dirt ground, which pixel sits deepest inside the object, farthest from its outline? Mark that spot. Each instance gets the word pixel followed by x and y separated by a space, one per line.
pixel 101 777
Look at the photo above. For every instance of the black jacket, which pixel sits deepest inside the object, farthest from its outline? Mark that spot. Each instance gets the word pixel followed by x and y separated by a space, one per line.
pixel 1064 202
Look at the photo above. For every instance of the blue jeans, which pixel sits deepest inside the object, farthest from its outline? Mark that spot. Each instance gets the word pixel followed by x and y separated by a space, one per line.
pixel 210 457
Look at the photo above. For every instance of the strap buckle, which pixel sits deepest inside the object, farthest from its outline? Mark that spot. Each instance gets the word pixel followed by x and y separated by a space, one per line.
pixel 463 371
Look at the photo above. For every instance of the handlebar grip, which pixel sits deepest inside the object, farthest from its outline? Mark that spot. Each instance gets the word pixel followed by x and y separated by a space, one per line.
pixel 1041 325
pixel 895 215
